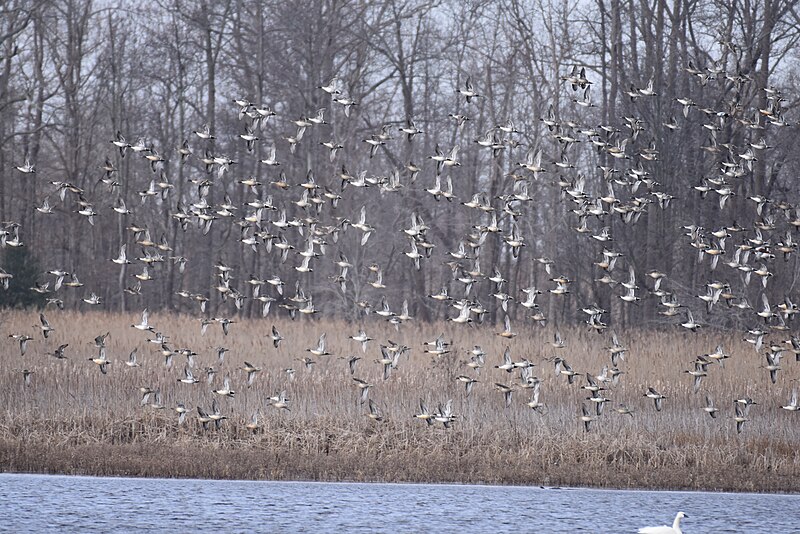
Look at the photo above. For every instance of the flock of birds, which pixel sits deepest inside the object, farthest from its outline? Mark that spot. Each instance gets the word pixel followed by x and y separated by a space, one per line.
pixel 306 226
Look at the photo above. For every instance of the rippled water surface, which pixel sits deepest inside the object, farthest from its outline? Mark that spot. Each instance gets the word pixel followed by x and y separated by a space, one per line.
pixel 46 503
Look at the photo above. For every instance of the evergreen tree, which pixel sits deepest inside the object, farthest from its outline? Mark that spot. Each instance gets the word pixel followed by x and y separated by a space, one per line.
pixel 24 267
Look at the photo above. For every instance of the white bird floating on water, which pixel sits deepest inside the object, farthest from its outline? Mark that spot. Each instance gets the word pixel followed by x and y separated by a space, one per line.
pixel 674 529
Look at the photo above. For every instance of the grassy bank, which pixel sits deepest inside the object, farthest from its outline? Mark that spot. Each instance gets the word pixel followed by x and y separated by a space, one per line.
pixel 73 419
pixel 380 456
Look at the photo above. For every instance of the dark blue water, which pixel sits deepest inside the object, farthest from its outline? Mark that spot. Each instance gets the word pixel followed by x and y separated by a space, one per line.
pixel 46 503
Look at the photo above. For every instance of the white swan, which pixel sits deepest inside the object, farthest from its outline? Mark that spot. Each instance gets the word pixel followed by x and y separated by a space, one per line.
pixel 674 529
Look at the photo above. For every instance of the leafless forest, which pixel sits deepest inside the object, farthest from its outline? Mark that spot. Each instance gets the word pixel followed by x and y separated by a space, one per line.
pixel 76 73
pixel 586 175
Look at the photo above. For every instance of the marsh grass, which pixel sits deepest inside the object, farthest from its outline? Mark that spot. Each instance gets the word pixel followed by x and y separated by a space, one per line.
pixel 73 419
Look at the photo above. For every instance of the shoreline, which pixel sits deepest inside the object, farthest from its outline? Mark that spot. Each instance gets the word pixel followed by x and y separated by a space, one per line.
pixel 143 460
pixel 397 483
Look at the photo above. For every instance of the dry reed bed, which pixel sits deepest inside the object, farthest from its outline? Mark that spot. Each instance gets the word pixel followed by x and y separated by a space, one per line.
pixel 73 419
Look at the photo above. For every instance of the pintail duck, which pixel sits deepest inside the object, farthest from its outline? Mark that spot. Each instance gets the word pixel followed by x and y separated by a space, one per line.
pixel 181 410
pixel 445 414
pixel 424 413
pixel 251 371
pixel 690 323
pixel 709 408
pixel 508 364
pixel 773 364
pixel 623 410
pixel 204 133
pixel 120 142
pixel 59 352
pixel 577 78
pixel 45 327
pixel 225 390
pixel 45 208
pixel 279 401
pixel 101 361
pixel 215 414
pixel 534 404
pixel 468 383
pixel 132 359
pixel 157 404
pixel 363 385
pixel 347 102
pixel 792 406
pixel 698 373
pixel 437 347
pixel 26 376
pixel 362 338
pixel 375 412
pixel 657 397
pixel 276 337
pixel 143 325
pixel 563 368
pixel 319 350
pixel 332 88
pixel 23 342
pixel 410 130
pixel 468 91
pixel 586 417
pixel 188 377
pixel 740 416
pixel 253 423
pixel 507 332
pixel 202 417
pixel 250 137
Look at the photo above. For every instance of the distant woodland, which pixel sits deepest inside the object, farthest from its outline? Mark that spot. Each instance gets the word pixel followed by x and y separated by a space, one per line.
pixel 664 132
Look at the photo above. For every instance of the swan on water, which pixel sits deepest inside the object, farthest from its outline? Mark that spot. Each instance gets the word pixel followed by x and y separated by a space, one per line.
pixel 674 529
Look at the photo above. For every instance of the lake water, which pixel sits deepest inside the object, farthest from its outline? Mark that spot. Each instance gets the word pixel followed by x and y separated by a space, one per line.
pixel 48 503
